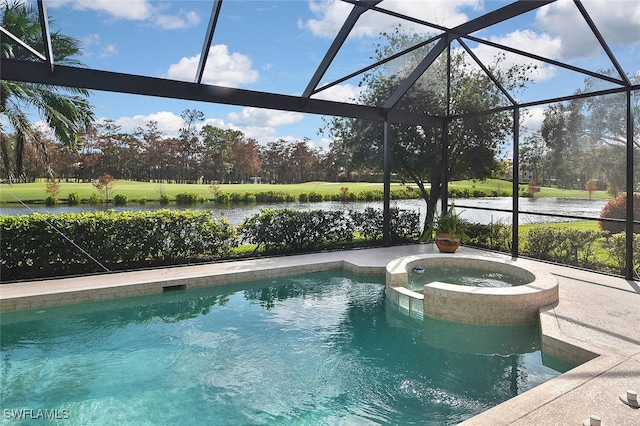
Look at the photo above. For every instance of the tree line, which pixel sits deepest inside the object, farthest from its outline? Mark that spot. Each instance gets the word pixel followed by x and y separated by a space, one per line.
pixel 582 143
pixel 199 154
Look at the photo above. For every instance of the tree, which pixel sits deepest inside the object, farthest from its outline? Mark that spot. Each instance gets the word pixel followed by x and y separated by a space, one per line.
pixel 65 110
pixel 189 147
pixel 157 150
pixel 591 186
pixel 104 185
pixel 217 151
pixel 532 156
pixel 588 136
pixel 245 159
pixel 474 142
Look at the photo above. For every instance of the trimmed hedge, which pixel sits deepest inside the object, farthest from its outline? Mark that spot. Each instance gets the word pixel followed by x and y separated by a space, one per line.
pixel 289 230
pixel 566 246
pixel 44 245
pixel 292 230
pixel 48 245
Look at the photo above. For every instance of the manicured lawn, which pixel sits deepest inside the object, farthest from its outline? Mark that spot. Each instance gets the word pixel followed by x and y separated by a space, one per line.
pixel 35 192
pixel 583 225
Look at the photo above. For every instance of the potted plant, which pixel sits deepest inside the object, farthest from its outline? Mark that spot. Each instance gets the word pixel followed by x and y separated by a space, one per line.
pixel 450 230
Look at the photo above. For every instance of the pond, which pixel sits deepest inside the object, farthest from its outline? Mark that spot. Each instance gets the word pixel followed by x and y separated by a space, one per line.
pixel 238 212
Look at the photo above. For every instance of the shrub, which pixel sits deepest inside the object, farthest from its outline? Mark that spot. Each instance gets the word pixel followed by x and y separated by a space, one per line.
pixel 271 197
pixel 494 236
pixel 164 199
pixel 73 199
pixel 186 198
pixel 314 197
pixel 616 209
pixel 120 200
pixel 94 199
pixel 615 246
pixel 289 230
pixel 222 198
pixel 404 226
pixel 50 201
pixel 32 247
pixel 303 197
pixel 566 246
pixel 344 193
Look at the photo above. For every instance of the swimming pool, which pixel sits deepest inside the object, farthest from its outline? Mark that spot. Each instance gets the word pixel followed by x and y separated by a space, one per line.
pixel 321 348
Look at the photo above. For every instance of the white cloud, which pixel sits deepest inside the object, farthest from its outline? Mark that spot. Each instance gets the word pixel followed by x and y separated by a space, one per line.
pixel 168 122
pixel 341 93
pixel 526 40
pixel 134 10
pixel 616 20
pixel 109 50
pixel 173 22
pixel 223 68
pixel 531 120
pixel 331 14
pixel 91 39
pixel 122 9
pixel 256 123
pixel 264 117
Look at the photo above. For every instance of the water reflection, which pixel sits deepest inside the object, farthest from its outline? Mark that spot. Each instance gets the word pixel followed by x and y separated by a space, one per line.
pixel 237 213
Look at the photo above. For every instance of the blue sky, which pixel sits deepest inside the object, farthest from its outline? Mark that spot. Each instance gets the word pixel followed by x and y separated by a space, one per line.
pixel 276 46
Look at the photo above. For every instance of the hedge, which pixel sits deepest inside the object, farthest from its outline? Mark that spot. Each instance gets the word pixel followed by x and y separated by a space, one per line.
pixel 47 245
pixel 42 245
pixel 289 230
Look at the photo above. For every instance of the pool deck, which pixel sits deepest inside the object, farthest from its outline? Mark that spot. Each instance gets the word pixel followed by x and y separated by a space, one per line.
pixel 597 318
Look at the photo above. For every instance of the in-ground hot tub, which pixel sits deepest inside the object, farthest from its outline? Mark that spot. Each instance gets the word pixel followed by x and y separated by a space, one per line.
pixel 512 304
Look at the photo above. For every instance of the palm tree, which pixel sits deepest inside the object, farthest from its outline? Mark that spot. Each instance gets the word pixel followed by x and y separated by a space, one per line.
pixel 65 110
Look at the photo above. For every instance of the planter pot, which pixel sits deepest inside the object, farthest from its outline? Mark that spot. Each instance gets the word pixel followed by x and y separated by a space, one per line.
pixel 447 243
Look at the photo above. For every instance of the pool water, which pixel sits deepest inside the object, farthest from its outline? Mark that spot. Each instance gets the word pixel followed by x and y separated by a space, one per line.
pixel 466 276
pixel 312 349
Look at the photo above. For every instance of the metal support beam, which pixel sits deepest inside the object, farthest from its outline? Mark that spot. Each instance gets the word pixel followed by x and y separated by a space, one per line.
pixel 444 196
pixel 499 15
pixel 31 50
pixel 349 23
pixel 444 152
pixel 504 13
pixel 66 76
pixel 628 270
pixel 406 84
pixel 386 209
pixel 213 20
pixel 46 35
pixel 487 72
pixel 602 42
pixel 516 180
pixel 545 60
pixel 375 65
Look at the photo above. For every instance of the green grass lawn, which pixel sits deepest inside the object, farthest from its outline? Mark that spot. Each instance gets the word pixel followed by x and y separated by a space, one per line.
pixel 35 192
pixel 583 225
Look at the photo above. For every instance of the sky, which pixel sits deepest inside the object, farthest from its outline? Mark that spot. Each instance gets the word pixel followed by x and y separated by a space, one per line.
pixel 276 46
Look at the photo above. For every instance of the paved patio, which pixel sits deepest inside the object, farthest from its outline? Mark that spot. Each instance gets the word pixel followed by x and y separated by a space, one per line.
pixel 597 321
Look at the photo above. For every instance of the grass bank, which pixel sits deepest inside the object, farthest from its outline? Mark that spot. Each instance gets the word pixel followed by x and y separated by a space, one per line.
pixel 34 193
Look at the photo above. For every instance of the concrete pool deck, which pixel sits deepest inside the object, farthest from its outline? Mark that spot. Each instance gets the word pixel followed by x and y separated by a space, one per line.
pixel 597 319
